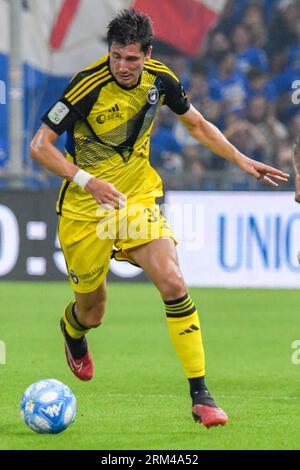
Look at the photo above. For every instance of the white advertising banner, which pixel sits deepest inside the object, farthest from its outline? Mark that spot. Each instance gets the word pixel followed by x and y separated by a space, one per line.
pixel 61 36
pixel 238 239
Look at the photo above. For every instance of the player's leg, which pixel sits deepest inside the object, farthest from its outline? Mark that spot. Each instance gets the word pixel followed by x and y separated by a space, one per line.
pixel 159 261
pixel 87 258
pixel 78 318
pixel 90 307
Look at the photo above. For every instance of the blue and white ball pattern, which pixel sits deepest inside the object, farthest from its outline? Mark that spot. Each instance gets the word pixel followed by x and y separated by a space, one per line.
pixel 48 406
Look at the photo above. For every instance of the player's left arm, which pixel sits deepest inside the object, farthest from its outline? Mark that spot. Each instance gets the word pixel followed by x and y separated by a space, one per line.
pixel 297 168
pixel 210 136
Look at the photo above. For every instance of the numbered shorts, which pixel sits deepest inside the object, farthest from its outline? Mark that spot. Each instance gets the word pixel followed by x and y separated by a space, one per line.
pixel 89 245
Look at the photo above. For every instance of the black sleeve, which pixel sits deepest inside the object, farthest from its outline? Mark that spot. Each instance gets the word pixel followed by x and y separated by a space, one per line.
pixel 176 97
pixel 60 117
pixel 63 115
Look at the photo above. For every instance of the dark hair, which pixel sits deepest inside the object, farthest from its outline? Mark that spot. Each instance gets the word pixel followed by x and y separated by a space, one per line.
pixel 128 27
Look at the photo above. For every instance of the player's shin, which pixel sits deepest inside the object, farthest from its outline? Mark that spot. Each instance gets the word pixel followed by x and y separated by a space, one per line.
pixel 78 356
pixel 184 327
pixel 74 332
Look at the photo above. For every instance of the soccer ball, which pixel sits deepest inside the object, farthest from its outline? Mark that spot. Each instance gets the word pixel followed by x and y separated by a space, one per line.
pixel 48 406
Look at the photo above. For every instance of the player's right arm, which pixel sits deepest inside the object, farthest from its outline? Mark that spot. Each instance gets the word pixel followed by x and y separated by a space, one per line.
pixel 297 168
pixel 43 150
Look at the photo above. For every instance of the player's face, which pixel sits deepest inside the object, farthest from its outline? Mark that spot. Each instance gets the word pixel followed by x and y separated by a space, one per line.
pixel 126 63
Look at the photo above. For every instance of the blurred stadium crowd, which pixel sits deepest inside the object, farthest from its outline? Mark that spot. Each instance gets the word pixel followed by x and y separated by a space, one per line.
pixel 242 81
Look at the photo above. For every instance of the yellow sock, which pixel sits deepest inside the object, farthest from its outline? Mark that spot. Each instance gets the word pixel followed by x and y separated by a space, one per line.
pixel 184 327
pixel 73 327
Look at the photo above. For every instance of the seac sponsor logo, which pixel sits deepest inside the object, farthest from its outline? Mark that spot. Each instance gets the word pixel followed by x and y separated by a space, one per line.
pixel 153 95
pixel 111 114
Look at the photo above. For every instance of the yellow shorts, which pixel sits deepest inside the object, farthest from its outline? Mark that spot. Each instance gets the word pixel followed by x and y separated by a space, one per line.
pixel 89 246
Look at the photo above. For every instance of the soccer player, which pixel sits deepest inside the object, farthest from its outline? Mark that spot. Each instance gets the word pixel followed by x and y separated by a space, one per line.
pixel 297 167
pixel 108 110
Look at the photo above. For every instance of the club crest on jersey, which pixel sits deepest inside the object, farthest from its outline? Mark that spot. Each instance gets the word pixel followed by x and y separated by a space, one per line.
pixel 74 277
pixel 153 95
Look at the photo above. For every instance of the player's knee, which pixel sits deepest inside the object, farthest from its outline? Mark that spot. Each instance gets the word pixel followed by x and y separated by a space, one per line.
pixel 173 286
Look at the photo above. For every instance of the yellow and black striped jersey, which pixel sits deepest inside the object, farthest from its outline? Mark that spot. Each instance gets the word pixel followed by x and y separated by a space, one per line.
pixel 108 130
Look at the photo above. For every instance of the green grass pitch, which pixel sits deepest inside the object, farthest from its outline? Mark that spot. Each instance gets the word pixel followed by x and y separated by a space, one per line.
pixel 139 396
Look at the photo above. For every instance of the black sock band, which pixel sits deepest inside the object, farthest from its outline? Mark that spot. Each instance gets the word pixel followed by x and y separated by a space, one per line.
pixel 76 319
pixel 199 393
pixel 179 308
pixel 78 347
pixel 72 318
pixel 197 384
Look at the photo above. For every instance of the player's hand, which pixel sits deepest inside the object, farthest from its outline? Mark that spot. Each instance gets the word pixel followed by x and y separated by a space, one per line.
pixel 105 193
pixel 260 171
